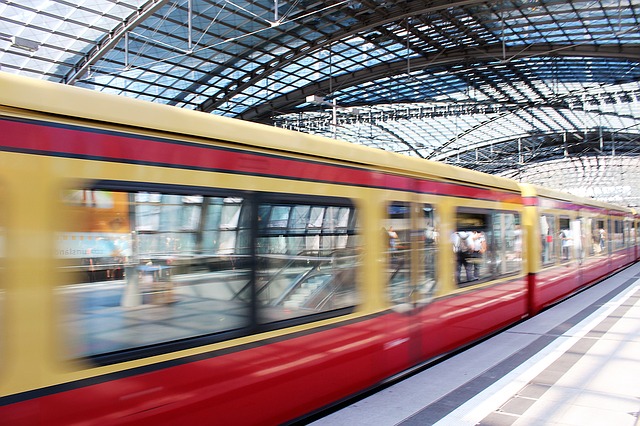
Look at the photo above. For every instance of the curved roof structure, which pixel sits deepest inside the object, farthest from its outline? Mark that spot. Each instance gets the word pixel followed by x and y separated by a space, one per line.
pixel 544 91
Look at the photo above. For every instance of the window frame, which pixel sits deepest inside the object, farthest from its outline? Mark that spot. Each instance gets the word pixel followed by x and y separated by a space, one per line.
pixel 251 200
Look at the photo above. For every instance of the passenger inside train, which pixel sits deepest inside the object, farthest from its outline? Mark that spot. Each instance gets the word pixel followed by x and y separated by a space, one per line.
pixel 487 244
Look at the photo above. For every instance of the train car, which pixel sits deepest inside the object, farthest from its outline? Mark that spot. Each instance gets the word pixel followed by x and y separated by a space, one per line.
pixel 574 242
pixel 160 265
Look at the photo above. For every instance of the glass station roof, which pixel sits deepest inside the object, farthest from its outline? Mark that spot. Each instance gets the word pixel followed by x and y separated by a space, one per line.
pixel 498 86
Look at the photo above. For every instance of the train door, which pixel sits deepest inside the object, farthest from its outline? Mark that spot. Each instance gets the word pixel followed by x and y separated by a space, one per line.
pixel 577 234
pixel 398 233
pixel 412 236
pixel 399 349
pixel 426 238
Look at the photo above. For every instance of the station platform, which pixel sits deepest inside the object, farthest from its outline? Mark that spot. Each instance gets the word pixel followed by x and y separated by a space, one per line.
pixel 576 363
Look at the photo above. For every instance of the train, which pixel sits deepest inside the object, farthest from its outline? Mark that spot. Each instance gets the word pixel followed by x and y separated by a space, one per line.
pixel 162 266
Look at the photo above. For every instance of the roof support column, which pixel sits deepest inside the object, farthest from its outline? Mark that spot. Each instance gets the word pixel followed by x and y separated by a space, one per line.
pixel 126 50
pixel 189 24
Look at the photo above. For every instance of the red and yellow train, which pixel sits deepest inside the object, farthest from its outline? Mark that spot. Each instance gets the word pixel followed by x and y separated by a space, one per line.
pixel 159 265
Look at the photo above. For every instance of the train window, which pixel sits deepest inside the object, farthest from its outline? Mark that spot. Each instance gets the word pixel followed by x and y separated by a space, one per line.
pixel 144 268
pixel 548 235
pixel 220 226
pixel 166 223
pixel 428 245
pixel 584 240
pixel 487 244
pixel 565 239
pixel 600 236
pixel 306 259
pixel 508 241
pixel 147 267
pixel 472 245
pixel 627 232
pixel 618 234
pixel 397 234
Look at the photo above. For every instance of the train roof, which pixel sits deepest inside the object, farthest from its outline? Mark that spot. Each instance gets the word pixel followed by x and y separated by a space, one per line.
pixel 79 103
pixel 530 190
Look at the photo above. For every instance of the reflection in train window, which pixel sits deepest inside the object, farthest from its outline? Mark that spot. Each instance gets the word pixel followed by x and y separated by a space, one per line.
pixel 618 237
pixel 221 227
pixel 427 243
pixel 597 240
pixel 487 244
pixel 548 235
pixel 508 239
pixel 306 259
pixel 628 224
pixel 411 237
pixel 397 235
pixel 565 239
pixel 145 268
pixel 473 246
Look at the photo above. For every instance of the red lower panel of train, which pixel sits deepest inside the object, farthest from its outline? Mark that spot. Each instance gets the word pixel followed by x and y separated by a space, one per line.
pixel 280 381
pixel 552 284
